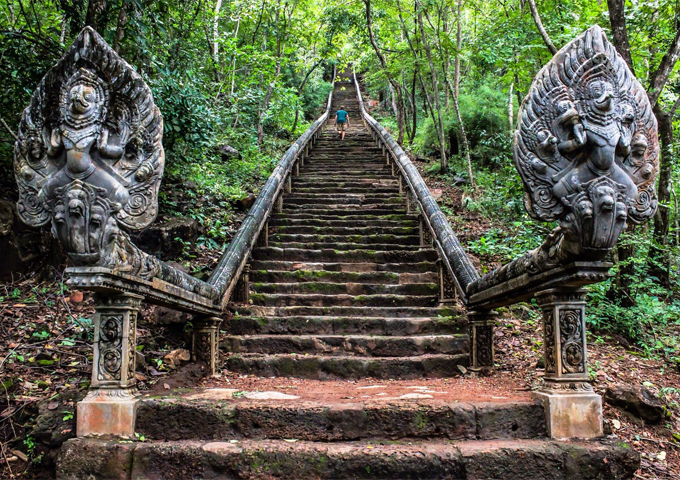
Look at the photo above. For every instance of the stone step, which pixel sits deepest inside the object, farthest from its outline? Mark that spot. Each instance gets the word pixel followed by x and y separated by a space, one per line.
pixel 173 419
pixel 318 177
pixel 378 238
pixel 358 231
pixel 360 312
pixel 344 256
pixel 344 246
pixel 349 190
pixel 321 182
pixel 345 169
pixel 273 276
pixel 348 345
pixel 337 221
pixel 368 209
pixel 328 288
pixel 319 200
pixel 419 267
pixel 321 300
pixel 322 367
pixel 530 459
pixel 346 174
pixel 249 325
pixel 400 218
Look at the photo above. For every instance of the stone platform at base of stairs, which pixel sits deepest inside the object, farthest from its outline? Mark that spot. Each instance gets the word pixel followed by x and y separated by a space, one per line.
pixel 290 459
pixel 288 428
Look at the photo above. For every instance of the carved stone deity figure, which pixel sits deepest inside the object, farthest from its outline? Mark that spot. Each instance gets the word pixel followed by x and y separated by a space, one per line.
pixel 89 156
pixel 586 147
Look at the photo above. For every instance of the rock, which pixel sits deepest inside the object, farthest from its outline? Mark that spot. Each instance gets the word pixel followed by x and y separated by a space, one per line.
pixel 540 363
pixel 6 218
pixel 175 358
pixel 228 152
pixel 639 401
pixel 270 396
pixel 246 202
pixel 140 362
pixel 284 134
pixel 160 239
pixel 167 316
pixel 437 193
pixel 76 296
pixel 53 426
pixel 25 250
pixel 415 396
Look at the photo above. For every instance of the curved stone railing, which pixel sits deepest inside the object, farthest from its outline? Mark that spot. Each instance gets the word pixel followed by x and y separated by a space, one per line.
pixel 230 267
pixel 451 252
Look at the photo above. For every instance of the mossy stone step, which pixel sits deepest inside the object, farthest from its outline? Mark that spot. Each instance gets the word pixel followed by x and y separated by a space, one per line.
pixel 399 218
pixel 175 418
pixel 327 325
pixel 353 200
pixel 393 189
pixel 364 239
pixel 355 182
pixel 346 231
pixel 348 345
pixel 337 300
pixel 289 220
pixel 355 311
pixel 341 277
pixel 344 256
pixel 345 246
pixel 322 367
pixel 368 209
pixel 370 460
pixel 292 265
pixel 329 288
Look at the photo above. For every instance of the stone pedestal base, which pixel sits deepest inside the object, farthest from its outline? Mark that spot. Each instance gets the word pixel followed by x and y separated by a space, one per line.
pixel 107 413
pixel 572 415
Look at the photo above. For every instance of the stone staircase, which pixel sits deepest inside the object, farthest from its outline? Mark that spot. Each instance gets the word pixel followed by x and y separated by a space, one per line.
pixel 344 288
pixel 345 294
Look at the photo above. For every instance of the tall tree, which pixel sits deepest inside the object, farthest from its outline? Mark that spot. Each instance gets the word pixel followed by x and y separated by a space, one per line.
pixel 435 88
pixel 394 84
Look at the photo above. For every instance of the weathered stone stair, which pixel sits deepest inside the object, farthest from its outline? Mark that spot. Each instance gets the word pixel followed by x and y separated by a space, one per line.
pixel 344 291
pixel 344 288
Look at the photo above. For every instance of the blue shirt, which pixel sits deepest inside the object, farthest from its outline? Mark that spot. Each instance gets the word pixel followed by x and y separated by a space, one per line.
pixel 342 116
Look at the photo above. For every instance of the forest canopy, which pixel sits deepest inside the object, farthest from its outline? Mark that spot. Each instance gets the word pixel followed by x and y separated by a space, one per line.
pixel 246 77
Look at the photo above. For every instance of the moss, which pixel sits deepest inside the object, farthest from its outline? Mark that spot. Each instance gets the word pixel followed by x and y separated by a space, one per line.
pixel 420 421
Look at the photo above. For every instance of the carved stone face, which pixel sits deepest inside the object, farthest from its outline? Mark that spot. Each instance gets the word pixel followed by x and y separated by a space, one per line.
pixel 83 100
pixel 83 223
pixel 602 95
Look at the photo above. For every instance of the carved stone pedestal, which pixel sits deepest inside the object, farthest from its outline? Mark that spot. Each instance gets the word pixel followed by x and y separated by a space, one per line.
pixel 110 407
pixel 206 341
pixel 481 340
pixel 572 408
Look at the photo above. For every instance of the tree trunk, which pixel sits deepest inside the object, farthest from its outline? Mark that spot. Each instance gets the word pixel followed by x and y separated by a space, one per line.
pixel 659 255
pixel 541 30
pixel 393 83
pixel 435 86
pixel 415 106
pixel 216 25
pixel 120 28
pixel 617 19
pixel 511 113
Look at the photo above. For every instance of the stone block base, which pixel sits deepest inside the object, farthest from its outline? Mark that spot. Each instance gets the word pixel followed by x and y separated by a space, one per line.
pixel 572 415
pixel 107 414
